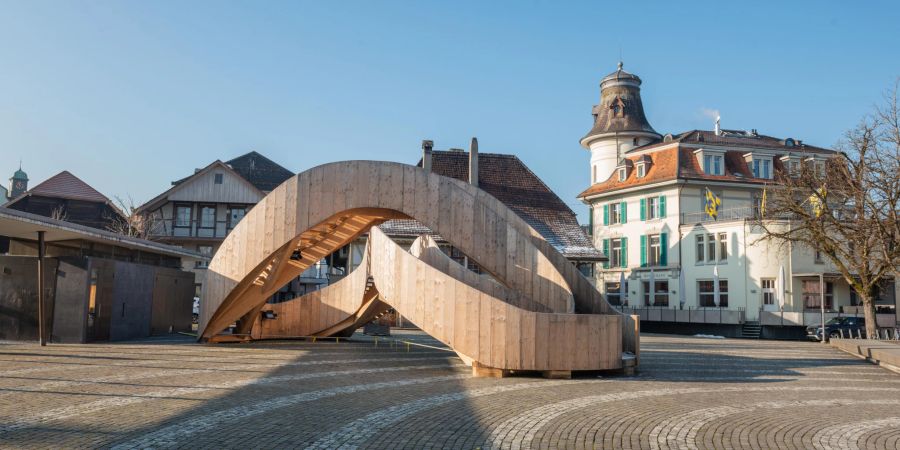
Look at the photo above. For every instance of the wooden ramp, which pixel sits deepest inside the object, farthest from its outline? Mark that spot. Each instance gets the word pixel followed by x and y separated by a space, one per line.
pixel 535 312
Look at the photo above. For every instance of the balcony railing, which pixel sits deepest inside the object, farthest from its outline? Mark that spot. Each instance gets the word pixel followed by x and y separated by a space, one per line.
pixel 190 229
pixel 809 317
pixel 742 213
pixel 715 315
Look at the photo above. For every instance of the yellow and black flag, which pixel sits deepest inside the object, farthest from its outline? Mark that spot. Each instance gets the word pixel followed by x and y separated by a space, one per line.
pixel 712 204
pixel 817 201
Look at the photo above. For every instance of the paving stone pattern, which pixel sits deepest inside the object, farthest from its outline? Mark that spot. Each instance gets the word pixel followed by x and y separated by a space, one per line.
pixel 689 393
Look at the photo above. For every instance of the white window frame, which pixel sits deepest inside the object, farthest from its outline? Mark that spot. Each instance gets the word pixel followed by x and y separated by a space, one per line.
pixel 641 170
pixel 722 246
pixel 615 253
pixel 623 174
pixel 652 208
pixel 615 214
pixel 700 247
pixel 723 293
pixel 654 250
pixel 767 287
pixel 660 295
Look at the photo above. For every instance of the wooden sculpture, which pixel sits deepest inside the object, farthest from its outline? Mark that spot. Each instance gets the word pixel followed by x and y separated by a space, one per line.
pixel 535 313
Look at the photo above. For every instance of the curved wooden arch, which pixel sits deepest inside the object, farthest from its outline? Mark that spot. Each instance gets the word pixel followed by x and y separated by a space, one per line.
pixel 322 209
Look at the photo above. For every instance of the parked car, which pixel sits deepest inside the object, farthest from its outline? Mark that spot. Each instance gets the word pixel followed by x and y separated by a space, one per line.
pixel 196 309
pixel 851 326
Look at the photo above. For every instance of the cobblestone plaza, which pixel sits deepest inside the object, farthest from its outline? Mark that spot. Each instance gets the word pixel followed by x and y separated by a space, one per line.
pixel 689 393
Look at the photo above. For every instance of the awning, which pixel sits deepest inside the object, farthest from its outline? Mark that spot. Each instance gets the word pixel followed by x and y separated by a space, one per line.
pixel 24 226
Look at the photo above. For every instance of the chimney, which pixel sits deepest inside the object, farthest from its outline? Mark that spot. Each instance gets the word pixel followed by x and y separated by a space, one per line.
pixel 718 130
pixel 473 162
pixel 427 145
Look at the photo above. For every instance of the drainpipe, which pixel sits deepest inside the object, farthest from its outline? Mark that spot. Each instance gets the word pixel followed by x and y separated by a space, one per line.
pixel 41 269
pixel 473 162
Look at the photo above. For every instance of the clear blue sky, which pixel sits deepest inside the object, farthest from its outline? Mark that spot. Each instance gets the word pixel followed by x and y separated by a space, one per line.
pixel 131 95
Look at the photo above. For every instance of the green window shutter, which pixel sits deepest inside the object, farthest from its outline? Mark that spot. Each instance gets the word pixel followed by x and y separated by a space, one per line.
pixel 663 247
pixel 643 209
pixel 624 212
pixel 606 252
pixel 643 251
pixel 591 220
pixel 624 252
pixel 662 206
pixel 605 214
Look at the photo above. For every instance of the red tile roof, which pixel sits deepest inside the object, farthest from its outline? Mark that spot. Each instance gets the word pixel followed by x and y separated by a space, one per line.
pixel 663 167
pixel 671 160
pixel 68 186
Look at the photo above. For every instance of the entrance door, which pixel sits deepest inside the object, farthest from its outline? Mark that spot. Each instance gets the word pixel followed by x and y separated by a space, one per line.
pixel 99 307
pixel 769 302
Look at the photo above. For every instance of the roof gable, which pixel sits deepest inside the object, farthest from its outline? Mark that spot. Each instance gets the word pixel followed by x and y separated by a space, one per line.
pixel 67 186
pixel 171 193
pixel 201 187
pixel 260 171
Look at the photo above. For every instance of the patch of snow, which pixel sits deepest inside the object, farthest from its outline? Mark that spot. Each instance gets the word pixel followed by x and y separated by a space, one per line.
pixel 709 336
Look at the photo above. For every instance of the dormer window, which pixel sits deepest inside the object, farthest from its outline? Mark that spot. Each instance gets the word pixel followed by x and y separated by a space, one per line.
pixel 711 161
pixel 791 165
pixel 642 165
pixel 623 168
pixel 761 168
pixel 761 165
pixel 712 164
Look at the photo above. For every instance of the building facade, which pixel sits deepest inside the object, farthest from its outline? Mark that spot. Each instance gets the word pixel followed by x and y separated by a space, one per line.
pixel 672 263
pixel 198 211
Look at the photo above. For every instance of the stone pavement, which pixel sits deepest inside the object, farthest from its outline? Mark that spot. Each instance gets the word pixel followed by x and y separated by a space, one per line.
pixel 689 393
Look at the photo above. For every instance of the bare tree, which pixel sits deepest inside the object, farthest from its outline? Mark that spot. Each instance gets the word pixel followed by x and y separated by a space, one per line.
pixel 59 213
pixel 131 223
pixel 846 206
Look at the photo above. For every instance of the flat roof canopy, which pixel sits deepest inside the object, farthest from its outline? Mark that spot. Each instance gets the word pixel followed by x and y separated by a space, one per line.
pixel 24 226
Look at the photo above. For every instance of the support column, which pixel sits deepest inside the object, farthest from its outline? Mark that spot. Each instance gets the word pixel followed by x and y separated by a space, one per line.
pixel 42 336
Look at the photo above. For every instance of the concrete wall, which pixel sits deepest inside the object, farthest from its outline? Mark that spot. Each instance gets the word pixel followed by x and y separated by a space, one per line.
pixel 70 303
pixel 133 300
pixel 18 296
pixel 173 300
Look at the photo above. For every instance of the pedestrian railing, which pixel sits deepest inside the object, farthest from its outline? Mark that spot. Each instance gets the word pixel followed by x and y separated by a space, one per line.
pixel 688 314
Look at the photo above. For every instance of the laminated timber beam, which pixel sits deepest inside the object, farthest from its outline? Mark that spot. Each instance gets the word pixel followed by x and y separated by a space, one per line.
pixel 540 315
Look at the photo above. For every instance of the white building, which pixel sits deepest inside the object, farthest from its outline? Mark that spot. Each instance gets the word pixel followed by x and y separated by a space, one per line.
pixel 647 199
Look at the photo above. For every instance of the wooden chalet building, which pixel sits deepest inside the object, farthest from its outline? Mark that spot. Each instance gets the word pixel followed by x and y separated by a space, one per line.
pixel 66 197
pixel 199 210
